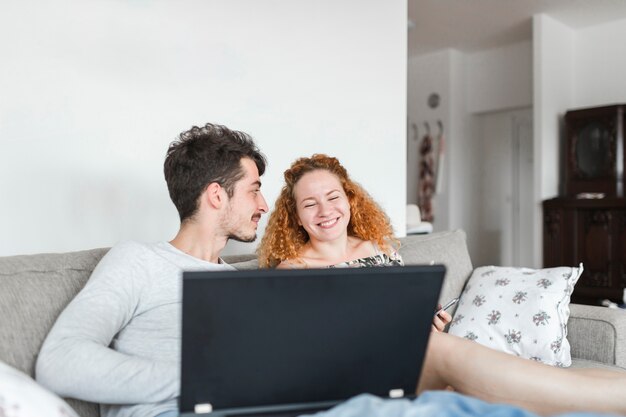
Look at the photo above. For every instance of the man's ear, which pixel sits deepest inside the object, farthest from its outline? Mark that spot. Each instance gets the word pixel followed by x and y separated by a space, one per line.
pixel 214 195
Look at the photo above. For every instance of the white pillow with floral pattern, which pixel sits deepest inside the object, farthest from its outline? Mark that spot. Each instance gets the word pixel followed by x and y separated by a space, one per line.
pixel 520 311
pixel 20 396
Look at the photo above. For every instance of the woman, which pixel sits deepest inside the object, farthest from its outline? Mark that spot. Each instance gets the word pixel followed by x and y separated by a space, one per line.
pixel 323 219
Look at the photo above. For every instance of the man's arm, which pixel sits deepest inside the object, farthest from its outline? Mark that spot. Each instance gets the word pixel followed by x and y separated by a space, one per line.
pixel 75 359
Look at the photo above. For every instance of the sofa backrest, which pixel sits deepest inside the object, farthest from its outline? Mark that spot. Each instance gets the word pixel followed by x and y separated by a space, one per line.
pixel 34 289
pixel 448 248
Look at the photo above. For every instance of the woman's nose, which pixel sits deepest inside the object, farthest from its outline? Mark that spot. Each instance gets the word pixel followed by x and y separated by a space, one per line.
pixel 323 209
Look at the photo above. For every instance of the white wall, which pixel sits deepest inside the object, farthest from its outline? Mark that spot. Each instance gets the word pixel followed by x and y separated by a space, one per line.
pixel 572 69
pixel 600 65
pixel 500 78
pixel 561 69
pixel 469 85
pixel 553 55
pixel 554 45
pixel 91 93
pixel 507 194
pixel 465 156
pixel 428 74
pixel 497 79
pixel 496 180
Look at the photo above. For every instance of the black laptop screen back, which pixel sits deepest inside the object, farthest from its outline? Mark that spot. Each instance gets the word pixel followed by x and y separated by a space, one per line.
pixel 272 337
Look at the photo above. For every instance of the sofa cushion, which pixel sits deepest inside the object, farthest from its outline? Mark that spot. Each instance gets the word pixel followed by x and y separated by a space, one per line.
pixel 236 259
pixel 250 264
pixel 587 364
pixel 242 262
pixel 447 248
pixel 521 311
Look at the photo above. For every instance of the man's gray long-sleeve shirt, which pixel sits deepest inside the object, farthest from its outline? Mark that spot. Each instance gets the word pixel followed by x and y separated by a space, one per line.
pixel 117 343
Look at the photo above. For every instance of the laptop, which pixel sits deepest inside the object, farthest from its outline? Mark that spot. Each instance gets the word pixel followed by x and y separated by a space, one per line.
pixel 291 342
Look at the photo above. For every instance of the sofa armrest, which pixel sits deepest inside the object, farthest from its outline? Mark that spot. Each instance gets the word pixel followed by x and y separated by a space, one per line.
pixel 598 334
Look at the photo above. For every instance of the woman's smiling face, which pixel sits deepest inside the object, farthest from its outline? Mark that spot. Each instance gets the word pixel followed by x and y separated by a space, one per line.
pixel 322 206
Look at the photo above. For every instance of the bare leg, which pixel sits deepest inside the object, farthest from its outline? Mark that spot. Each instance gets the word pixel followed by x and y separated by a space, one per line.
pixel 498 377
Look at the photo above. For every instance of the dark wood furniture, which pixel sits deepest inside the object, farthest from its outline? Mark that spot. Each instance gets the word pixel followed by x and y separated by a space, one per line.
pixel 591 230
pixel 594 142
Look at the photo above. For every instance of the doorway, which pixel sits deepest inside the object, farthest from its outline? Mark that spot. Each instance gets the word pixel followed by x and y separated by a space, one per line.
pixel 507 182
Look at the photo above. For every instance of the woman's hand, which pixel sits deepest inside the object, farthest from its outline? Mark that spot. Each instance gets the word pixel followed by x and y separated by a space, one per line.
pixel 441 320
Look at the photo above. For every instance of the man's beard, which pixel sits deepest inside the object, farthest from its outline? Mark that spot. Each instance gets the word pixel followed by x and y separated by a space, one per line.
pixel 235 233
pixel 239 238
pixel 233 225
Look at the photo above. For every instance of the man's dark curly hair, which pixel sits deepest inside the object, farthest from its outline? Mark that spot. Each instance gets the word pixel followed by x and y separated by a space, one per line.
pixel 203 155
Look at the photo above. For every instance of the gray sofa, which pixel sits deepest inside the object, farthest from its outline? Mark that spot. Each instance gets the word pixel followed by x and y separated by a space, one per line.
pixel 35 288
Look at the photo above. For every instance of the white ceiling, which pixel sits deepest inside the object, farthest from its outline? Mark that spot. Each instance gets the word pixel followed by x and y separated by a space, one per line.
pixel 472 25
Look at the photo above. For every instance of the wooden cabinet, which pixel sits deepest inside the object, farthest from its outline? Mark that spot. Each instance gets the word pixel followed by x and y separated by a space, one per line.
pixel 591 231
pixel 594 157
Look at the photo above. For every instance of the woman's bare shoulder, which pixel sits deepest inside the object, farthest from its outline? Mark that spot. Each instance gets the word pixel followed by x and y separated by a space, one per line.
pixel 362 248
pixel 291 264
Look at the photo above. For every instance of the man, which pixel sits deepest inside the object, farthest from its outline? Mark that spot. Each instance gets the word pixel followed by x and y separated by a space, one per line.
pixel 118 342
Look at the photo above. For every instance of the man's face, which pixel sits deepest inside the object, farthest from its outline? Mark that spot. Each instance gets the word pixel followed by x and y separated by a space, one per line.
pixel 244 208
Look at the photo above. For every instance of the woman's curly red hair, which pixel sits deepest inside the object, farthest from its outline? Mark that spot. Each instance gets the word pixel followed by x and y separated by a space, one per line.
pixel 284 238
